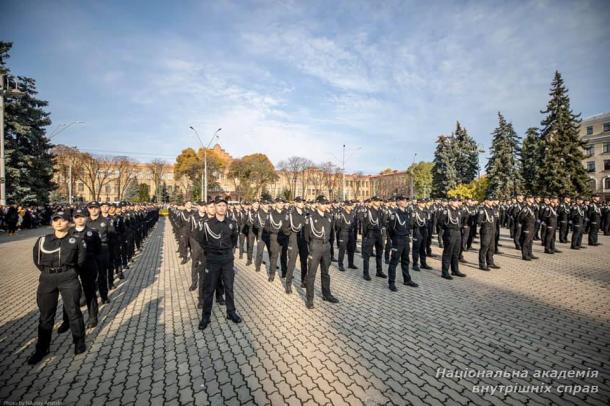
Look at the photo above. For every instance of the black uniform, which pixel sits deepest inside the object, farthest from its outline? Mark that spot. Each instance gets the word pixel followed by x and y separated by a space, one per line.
pixel 577 219
pixel 487 220
pixel 220 240
pixel 345 224
pixel 317 235
pixel 58 260
pixel 88 271
pixel 399 227
pixel 527 220
pixel 292 228
pixel 450 221
pixel 594 215
pixel 103 257
pixel 373 227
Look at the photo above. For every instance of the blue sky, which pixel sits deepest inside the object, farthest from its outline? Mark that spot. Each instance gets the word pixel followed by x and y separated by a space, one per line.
pixel 304 77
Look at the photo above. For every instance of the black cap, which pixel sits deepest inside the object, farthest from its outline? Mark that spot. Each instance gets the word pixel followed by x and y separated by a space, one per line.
pixel 93 203
pixel 61 214
pixel 298 199
pixel 400 197
pixel 321 199
pixel 79 212
pixel 105 203
pixel 220 199
pixel 454 199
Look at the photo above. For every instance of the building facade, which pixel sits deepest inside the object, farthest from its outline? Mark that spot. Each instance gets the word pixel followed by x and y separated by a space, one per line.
pixel 595 131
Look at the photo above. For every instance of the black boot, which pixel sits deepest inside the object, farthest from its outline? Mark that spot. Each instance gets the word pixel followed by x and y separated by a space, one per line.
pixel 234 317
pixel 63 328
pixel 79 345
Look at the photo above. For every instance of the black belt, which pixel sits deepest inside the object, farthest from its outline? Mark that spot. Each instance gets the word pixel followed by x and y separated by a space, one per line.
pixel 217 251
pixel 55 269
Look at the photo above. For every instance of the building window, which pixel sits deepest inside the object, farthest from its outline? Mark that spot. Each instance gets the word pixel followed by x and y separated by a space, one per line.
pixel 593 184
pixel 607 183
pixel 606 147
pixel 606 127
pixel 590 130
pixel 589 151
pixel 607 165
pixel 108 189
pixel 590 166
pixel 81 187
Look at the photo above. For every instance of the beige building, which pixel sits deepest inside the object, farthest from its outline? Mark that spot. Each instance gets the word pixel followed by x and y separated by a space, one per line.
pixel 595 131
pixel 390 183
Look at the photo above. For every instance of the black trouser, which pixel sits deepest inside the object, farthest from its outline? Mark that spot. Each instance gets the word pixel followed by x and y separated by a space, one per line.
pixel 303 254
pixel 429 229
pixel 526 241
pixel 332 242
pixel 576 236
pixel 110 269
pixel 243 236
pixel 196 253
pixel 400 251
pixel 372 239
pixel 517 234
pixel 115 255
pixel 452 240
pixel 465 235
pixel 543 234
pixel 50 286
pixel 387 249
pixel 283 241
pixel 102 259
pixel 319 254
pixel 88 280
pixel 183 243
pixel 563 231
pixel 418 252
pixel 218 268
pixel 487 249
pixel 252 238
pixel 347 242
pixel 549 238
pixel 537 230
pixel 471 236
pixel 439 235
pixel 593 230
pixel 497 239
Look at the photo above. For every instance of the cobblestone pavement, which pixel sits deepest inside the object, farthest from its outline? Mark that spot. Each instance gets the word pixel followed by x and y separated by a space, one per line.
pixel 375 347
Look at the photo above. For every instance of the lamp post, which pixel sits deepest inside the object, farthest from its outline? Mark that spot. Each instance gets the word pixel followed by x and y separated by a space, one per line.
pixel 411 191
pixel 204 183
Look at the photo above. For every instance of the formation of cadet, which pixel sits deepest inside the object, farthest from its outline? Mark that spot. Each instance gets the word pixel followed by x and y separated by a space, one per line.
pixel 393 231
pixel 89 248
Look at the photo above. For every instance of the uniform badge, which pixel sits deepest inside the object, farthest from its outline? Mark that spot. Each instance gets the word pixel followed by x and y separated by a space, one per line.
pixel 231 226
pixel 72 240
pixel 102 224
pixel 89 233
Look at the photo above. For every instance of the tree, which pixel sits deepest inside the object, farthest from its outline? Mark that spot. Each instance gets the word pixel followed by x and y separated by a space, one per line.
pixel 28 159
pixel 67 166
pixel 530 160
pixel 143 193
pixel 95 173
pixel 295 167
pixel 421 175
pixel 190 164
pixel 164 194
pixel 124 171
pixel 132 191
pixel 561 170
pixel 476 189
pixel 466 155
pixel 444 175
pixel 157 168
pixel 251 174
pixel 503 169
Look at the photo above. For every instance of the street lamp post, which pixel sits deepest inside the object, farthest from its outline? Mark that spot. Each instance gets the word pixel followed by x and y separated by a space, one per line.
pixel 204 184
pixel 61 128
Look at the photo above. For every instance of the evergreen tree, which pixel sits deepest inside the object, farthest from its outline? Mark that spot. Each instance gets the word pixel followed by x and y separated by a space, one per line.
pixel 561 170
pixel 466 155
pixel 444 175
pixel 503 166
pixel 530 160
pixel 29 162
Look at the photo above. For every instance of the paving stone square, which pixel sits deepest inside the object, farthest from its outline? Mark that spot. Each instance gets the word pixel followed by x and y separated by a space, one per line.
pixel 375 347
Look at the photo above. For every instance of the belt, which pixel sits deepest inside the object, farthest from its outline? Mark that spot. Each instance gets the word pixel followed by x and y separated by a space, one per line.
pixel 218 251
pixel 55 269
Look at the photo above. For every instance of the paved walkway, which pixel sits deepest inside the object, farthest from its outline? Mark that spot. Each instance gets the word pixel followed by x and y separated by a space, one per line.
pixel 375 347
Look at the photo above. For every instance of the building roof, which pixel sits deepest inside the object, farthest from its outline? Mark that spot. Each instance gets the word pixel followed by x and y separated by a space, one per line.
pixel 595 117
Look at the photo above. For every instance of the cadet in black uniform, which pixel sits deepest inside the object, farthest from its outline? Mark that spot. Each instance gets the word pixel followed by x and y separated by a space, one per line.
pixel 317 235
pixel 292 228
pixel 594 215
pixel 577 219
pixel 345 225
pixel 563 217
pixel 373 222
pixel 527 220
pixel 487 220
pixel 549 225
pixel 58 255
pixel 452 239
pixel 399 227
pixel 99 224
pixel 221 235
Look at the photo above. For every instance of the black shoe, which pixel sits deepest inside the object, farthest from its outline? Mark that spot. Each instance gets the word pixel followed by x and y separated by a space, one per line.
pixel 309 305
pixel 548 252
pixel 494 266
pixel 557 252
pixel 283 274
pixel 288 289
pixel 121 276
pixel 432 256
pixel 341 268
pixel 534 257
pixel 91 324
pixel 526 259
pixel 193 287
pixel 333 259
pixel 234 317
pixel 203 324
pixel 367 277
pixel 220 301
pixel 111 286
pixel 331 299
pixel 499 252
pixel 393 288
pixel 462 260
pixel 271 278
pixel 241 256
pixel 483 268
pixel 416 268
pixel 352 266
pixel 426 266
pixel 80 347
pixel 105 300
pixel 37 357
pixel 248 262
pixel 200 305
pixel 410 283
pixel 257 269
pixel 184 261
pixel 381 275
pixel 387 261
pixel 448 277
pixel 458 273
pixel 303 285
pixel 63 328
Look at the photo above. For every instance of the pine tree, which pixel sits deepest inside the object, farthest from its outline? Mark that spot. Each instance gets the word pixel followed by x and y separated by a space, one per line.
pixel 444 175
pixel 530 160
pixel 561 170
pixel 466 155
pixel 29 162
pixel 503 169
